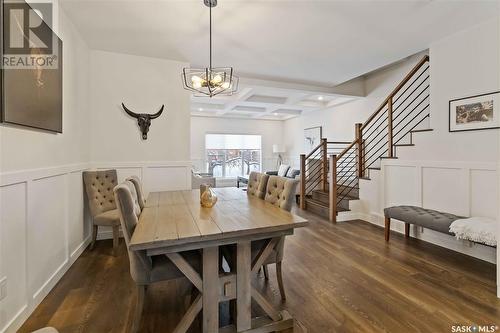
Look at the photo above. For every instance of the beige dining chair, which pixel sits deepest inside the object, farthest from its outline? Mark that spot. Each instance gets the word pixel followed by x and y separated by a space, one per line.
pixel 280 191
pixel 99 188
pixel 143 269
pixel 257 183
pixel 138 188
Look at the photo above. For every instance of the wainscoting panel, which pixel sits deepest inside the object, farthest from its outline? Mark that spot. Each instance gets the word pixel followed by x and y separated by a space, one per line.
pixel 462 188
pixel 445 189
pixel 46 236
pixel 13 250
pixel 484 193
pixel 395 193
pixel 44 228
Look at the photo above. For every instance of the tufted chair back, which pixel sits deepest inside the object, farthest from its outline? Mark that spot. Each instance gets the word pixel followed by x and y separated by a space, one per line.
pixel 99 187
pixel 135 197
pixel 281 192
pixel 138 188
pixel 257 183
pixel 140 263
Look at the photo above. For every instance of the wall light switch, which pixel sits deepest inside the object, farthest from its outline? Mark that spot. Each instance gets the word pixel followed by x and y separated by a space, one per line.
pixel 3 288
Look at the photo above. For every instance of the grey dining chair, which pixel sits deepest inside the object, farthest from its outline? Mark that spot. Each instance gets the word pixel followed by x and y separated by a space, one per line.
pixel 99 188
pixel 143 269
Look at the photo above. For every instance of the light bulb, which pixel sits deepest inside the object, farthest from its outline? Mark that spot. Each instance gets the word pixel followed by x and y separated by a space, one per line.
pixel 217 79
pixel 196 84
pixel 226 85
pixel 196 78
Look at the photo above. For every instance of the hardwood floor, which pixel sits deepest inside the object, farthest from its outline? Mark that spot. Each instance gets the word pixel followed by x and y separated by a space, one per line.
pixel 338 278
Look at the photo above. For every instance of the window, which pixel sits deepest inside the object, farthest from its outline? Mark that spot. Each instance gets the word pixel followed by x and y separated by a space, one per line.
pixel 232 155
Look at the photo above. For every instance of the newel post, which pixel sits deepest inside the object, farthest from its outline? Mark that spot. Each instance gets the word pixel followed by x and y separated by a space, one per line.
pixel 333 189
pixel 390 149
pixel 302 181
pixel 324 167
pixel 360 153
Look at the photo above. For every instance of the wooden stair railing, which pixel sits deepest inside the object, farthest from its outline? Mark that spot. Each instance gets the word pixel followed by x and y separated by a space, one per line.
pixel 314 168
pixel 338 171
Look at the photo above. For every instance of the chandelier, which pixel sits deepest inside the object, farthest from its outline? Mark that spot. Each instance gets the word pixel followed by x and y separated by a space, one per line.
pixel 210 81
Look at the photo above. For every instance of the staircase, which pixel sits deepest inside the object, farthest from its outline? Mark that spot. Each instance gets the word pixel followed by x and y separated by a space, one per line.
pixel 330 173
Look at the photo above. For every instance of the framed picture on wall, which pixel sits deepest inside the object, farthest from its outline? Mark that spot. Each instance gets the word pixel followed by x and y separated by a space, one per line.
pixel 312 138
pixel 31 69
pixel 473 113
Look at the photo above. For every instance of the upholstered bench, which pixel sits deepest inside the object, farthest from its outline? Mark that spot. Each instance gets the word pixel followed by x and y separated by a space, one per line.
pixel 427 218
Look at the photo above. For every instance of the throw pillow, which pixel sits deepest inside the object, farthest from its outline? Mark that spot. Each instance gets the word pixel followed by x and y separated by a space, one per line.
pixel 283 170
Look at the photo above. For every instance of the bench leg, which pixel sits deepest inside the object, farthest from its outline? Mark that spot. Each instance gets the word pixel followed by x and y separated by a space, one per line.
pixel 407 230
pixel 387 228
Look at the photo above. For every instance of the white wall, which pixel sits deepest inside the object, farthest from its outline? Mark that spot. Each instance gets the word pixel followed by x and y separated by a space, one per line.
pixel 42 224
pixel 271 132
pixel 338 122
pixel 464 64
pixel 143 84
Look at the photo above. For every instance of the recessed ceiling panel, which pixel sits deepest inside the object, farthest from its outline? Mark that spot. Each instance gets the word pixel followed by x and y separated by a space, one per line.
pixel 206 106
pixel 249 108
pixel 267 99
pixel 288 111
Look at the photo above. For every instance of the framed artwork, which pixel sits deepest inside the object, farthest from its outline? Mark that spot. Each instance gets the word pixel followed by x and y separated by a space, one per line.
pixel 474 113
pixel 312 138
pixel 31 76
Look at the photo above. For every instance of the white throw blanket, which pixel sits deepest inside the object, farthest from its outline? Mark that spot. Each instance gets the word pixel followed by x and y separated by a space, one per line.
pixel 476 229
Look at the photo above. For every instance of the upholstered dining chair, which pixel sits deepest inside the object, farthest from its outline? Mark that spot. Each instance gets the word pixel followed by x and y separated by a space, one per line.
pixel 257 183
pixel 99 187
pixel 143 269
pixel 280 191
pixel 138 188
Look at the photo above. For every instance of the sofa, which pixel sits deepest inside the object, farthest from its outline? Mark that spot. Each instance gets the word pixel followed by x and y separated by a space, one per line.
pixel 199 178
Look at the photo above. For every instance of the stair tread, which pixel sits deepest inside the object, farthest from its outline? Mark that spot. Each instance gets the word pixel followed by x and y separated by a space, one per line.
pixel 404 145
pixel 422 130
pixel 365 178
pixel 350 197
pixel 316 202
pixel 374 168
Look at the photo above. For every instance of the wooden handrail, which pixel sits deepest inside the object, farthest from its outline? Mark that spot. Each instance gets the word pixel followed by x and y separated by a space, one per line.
pixel 339 156
pixel 396 90
pixel 314 150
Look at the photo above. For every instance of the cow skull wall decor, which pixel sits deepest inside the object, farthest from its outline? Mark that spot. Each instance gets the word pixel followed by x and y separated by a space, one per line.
pixel 143 119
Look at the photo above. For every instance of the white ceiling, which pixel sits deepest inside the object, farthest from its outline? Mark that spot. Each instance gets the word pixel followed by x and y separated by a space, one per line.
pixel 320 42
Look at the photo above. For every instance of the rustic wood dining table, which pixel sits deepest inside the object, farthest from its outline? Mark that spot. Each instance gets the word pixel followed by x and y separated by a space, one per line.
pixel 174 221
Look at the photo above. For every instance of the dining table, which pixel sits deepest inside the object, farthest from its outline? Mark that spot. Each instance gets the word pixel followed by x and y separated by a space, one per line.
pixel 174 221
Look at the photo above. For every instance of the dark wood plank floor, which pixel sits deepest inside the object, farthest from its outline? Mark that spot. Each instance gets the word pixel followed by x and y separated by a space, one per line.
pixel 338 278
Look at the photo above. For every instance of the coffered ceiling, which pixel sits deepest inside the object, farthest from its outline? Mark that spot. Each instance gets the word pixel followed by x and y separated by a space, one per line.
pixel 260 102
